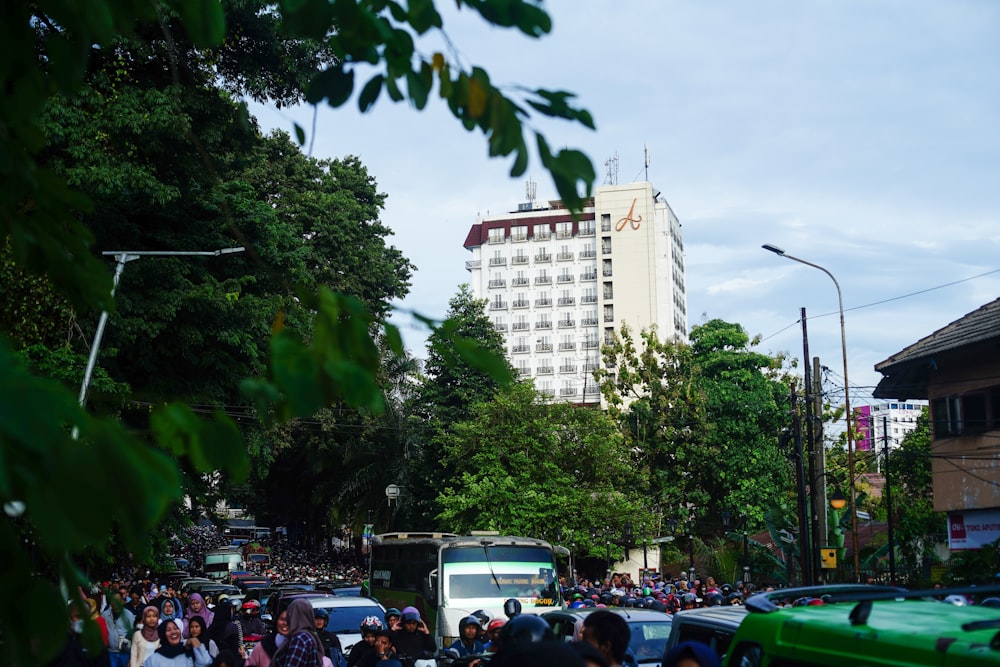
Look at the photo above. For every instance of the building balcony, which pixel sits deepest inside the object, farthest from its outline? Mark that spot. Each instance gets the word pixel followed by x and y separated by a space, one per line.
pixel 588 254
pixel 495 240
pixel 543 303
pixel 525 372
pixel 589 322
pixel 564 234
pixel 543 280
pixel 518 238
pixel 498 261
pixel 567 347
pixel 543 258
pixel 498 305
pixel 563 279
pixel 544 370
pixel 590 344
pixel 567 300
pixel 543 324
pixel 500 326
pixel 500 282
pixel 521 303
pixel 520 282
pixel 519 259
pixel 588 298
pixel 567 391
pixel 520 349
pixel 473 264
pixel 567 324
pixel 588 277
pixel 519 326
pixel 586 231
pixel 567 368
pixel 564 256
pixel 543 347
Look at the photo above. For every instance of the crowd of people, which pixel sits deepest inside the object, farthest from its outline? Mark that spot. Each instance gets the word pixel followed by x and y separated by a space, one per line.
pixel 657 593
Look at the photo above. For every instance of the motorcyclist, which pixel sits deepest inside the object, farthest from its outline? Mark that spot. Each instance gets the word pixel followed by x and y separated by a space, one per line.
pixel 413 638
pixel 391 618
pixel 363 653
pixel 331 643
pixel 468 638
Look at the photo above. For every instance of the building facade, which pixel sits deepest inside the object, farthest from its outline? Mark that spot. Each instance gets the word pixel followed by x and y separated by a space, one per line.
pixel 558 287
pixel 875 422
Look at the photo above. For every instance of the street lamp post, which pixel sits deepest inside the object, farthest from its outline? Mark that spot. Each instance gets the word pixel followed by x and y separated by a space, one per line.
pixel 847 400
pixel 122 257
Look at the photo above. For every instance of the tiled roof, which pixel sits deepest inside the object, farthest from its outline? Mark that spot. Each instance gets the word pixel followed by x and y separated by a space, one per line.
pixel 906 372
pixel 980 325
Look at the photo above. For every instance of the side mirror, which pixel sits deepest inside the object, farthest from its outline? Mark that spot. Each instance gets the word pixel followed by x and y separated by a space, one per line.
pixel 431 592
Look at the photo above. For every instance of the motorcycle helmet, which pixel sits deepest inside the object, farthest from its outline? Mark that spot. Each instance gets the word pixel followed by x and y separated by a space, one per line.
pixel 482 618
pixel 466 622
pixel 713 600
pixel 319 612
pixel 251 607
pixel 512 608
pixel 371 625
pixel 524 629
pixel 391 612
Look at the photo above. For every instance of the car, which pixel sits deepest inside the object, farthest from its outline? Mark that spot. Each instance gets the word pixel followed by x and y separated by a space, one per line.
pixel 346 614
pixel 714 626
pixel 650 629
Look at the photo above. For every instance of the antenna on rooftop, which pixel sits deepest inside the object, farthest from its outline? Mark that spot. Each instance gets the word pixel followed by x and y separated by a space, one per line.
pixel 645 153
pixel 530 192
pixel 612 166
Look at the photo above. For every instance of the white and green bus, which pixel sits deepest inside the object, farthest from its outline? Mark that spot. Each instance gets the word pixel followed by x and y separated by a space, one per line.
pixel 447 577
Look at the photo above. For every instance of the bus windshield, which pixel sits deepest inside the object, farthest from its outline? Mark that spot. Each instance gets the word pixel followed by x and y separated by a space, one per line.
pixel 486 576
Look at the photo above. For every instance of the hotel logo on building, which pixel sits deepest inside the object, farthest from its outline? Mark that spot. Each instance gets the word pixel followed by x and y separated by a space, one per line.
pixel 629 219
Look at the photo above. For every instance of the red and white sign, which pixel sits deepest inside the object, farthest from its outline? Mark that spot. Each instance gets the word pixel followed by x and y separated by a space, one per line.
pixel 973 529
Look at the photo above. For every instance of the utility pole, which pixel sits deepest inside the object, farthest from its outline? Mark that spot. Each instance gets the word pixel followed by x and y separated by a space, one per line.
pixel 888 504
pixel 814 481
pixel 819 497
pixel 800 478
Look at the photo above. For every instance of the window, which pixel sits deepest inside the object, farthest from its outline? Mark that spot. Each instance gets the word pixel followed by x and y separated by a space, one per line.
pixel 565 276
pixel 564 230
pixel 519 258
pixel 543 277
pixel 521 301
pixel 520 323
pixel 495 235
pixel 520 345
pixel 606 245
pixel 564 254
pixel 496 281
pixel 605 222
pixel 567 298
pixel 567 343
pixel 520 280
pixel 519 234
pixel 498 259
pixel 969 413
pixel 589 296
pixel 609 292
pixel 606 268
pixel 589 251
pixel 542 232
pixel 544 322
pixel 587 227
pixel 544 344
pixel 500 324
pixel 609 313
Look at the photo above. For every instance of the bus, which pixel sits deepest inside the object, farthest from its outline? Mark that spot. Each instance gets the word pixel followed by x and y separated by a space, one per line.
pixel 447 577
pixel 219 563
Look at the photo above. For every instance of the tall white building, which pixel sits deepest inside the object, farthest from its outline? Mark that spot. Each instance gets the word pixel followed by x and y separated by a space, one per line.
pixel 558 287
pixel 877 421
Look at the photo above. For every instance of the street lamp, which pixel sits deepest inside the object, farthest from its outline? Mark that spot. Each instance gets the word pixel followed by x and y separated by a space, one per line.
pixel 122 257
pixel 847 398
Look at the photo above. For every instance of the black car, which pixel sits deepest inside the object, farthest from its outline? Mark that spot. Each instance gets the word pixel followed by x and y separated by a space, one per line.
pixel 650 630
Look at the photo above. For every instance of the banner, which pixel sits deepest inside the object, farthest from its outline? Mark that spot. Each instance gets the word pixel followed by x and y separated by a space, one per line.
pixel 973 529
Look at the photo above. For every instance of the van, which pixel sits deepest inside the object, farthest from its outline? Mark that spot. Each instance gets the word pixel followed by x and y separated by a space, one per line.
pixel 219 563
pixel 878 629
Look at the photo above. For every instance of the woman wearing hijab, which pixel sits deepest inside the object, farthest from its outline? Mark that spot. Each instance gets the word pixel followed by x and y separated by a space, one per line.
pixel 197 607
pixel 304 647
pixel 223 631
pixel 174 651
pixel 196 630
pixel 264 652
pixel 145 640
pixel 170 612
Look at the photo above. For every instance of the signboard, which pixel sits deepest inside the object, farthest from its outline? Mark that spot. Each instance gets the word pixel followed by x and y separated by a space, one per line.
pixel 973 529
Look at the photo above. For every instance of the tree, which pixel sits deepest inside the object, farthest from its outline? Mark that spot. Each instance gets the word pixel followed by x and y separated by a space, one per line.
pixel 653 393
pixel 455 380
pixel 525 466
pixel 46 473
pixel 917 527
pixel 747 405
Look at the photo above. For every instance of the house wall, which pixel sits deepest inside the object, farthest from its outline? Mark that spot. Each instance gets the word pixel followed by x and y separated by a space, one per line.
pixel 966 467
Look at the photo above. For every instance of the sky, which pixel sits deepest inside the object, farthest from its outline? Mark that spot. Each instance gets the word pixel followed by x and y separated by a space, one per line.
pixel 860 135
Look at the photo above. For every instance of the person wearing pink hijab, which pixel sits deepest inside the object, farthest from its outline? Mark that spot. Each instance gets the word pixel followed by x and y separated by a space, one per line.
pixel 146 640
pixel 196 607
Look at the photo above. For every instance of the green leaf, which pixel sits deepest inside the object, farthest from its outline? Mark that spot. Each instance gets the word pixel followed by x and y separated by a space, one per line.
pixel 423 15
pixel 300 135
pixel 393 339
pixel 204 21
pixel 370 93
pixel 419 88
pixel 334 84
